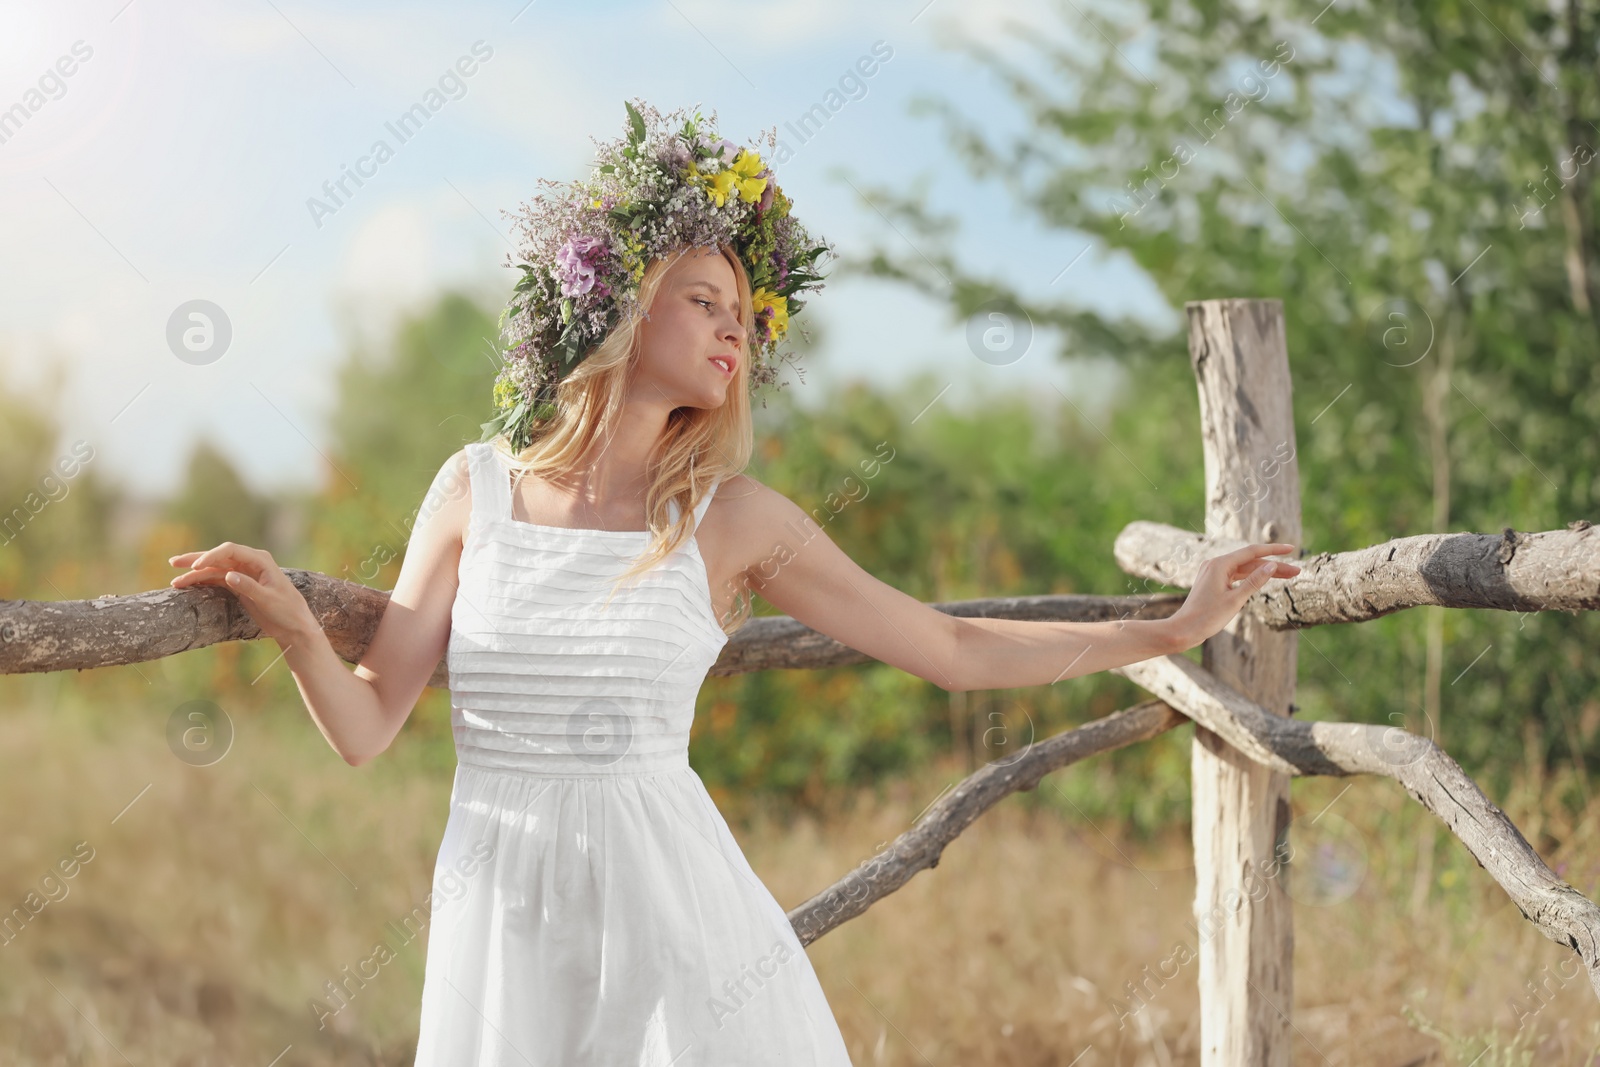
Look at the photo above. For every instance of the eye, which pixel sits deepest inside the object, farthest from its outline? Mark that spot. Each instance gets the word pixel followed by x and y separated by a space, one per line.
pixel 706 303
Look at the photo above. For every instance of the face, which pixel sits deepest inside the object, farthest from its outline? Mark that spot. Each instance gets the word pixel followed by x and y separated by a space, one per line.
pixel 692 332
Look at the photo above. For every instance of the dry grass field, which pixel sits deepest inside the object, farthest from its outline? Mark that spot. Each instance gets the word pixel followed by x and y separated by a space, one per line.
pixel 209 906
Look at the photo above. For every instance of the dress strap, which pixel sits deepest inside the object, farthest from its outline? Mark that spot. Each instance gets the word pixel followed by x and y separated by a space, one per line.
pixel 699 509
pixel 491 482
pixel 705 502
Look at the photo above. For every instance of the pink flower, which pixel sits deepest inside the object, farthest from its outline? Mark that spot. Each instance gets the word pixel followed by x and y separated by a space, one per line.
pixel 576 264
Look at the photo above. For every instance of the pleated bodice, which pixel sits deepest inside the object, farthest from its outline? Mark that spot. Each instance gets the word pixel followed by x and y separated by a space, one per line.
pixel 547 678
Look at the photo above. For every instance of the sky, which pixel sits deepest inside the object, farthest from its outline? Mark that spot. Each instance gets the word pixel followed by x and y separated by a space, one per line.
pixel 168 152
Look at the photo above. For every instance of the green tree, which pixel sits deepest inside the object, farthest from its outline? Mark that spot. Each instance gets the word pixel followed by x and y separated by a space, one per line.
pixel 216 503
pixel 404 406
pixel 1435 250
pixel 1002 497
pixel 55 505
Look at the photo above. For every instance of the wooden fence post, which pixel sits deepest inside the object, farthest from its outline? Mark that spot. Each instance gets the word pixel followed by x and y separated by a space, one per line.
pixel 1241 809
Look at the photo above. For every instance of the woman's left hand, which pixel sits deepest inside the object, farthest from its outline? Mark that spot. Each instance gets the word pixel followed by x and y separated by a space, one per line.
pixel 1221 587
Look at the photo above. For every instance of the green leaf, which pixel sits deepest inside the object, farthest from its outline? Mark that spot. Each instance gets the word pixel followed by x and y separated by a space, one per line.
pixel 499 423
pixel 636 121
pixel 570 343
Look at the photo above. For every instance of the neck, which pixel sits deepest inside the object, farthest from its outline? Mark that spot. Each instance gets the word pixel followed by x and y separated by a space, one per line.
pixel 616 466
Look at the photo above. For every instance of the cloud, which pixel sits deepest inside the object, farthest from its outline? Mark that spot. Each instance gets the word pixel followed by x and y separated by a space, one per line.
pixel 387 265
pixel 256 32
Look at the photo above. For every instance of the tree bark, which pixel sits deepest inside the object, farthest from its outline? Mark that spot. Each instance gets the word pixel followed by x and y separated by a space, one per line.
pixel 1285 745
pixel 1241 806
pixel 59 635
pixel 1290 747
pixel 1552 570
pixel 921 846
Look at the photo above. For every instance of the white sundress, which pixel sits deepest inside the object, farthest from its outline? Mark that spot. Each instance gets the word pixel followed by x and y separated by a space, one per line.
pixel 590 906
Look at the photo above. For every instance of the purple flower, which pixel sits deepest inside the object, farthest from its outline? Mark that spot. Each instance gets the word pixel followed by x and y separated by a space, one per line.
pixel 576 263
pixel 729 151
pixel 674 156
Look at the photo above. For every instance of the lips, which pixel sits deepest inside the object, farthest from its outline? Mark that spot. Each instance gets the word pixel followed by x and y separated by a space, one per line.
pixel 724 363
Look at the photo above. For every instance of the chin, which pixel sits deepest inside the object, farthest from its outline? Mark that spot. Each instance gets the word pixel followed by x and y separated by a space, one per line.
pixel 719 397
pixel 706 403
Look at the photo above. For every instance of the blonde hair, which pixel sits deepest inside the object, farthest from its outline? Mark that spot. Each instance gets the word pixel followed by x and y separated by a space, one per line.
pixel 697 447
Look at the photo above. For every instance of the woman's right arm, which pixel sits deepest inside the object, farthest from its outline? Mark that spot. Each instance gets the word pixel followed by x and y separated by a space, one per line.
pixel 361 711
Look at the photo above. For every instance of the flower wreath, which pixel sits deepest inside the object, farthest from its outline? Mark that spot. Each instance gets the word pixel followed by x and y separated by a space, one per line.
pixel 585 245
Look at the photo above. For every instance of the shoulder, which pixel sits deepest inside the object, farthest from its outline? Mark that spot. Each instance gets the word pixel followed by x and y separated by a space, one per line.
pixel 448 502
pixel 747 505
pixel 456 471
pixel 747 518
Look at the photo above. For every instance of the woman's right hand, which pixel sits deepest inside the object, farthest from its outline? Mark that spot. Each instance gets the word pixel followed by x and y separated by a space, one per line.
pixel 265 592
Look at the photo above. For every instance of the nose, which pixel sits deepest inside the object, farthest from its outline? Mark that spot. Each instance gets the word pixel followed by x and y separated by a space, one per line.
pixel 732 331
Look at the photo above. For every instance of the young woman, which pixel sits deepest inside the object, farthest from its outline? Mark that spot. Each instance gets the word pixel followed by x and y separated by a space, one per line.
pixel 581 571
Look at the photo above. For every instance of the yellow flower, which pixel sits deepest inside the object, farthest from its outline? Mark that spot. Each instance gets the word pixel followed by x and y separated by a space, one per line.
pixel 763 298
pixel 595 202
pixel 739 178
pixel 505 396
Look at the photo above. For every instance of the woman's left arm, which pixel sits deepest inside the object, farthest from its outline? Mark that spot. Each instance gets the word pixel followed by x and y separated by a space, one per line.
pixel 1005 653
pixel 803 573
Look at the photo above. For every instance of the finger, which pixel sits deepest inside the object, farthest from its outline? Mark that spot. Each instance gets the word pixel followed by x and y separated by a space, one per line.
pixel 253 562
pixel 186 582
pixel 1234 564
pixel 1277 550
pixel 1250 553
pixel 242 584
pixel 1252 556
pixel 230 555
pixel 209 574
pixel 1270 568
pixel 218 571
pixel 1279 568
pixel 1252 579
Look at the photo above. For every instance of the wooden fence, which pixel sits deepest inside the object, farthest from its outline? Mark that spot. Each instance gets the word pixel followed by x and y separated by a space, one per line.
pixel 1240 696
